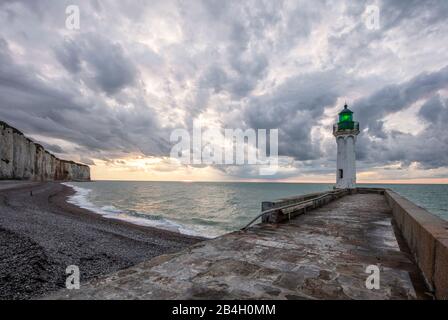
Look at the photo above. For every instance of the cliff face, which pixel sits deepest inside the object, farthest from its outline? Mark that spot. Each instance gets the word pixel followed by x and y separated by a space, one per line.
pixel 21 158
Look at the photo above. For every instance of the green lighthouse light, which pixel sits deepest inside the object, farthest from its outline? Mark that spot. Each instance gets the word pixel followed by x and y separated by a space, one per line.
pixel 346 119
pixel 346 115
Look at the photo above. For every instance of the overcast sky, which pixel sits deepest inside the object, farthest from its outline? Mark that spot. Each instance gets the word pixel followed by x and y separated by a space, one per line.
pixel 110 93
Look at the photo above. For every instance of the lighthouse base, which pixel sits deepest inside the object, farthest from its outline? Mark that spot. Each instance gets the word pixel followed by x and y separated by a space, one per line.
pixel 345 186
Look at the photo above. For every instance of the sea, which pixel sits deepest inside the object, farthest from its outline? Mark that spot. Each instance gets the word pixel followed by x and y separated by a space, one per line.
pixel 210 209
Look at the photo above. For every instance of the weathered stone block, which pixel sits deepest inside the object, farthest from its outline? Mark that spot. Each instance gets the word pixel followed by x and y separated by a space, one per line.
pixel 427 238
pixel 441 269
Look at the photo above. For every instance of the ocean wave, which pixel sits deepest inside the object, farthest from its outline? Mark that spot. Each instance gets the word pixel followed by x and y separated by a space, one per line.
pixel 81 199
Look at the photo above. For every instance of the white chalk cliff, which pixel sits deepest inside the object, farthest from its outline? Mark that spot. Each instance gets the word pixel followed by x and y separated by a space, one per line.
pixel 21 158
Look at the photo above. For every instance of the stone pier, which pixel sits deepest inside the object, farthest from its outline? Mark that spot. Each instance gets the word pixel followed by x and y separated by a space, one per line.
pixel 322 254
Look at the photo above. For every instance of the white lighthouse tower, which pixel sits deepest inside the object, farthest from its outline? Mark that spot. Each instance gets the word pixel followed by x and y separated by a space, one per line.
pixel 345 132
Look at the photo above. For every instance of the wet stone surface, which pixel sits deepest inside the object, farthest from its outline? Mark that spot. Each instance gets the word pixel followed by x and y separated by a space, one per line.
pixel 320 255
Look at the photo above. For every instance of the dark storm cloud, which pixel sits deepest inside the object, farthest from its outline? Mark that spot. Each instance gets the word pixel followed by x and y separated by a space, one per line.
pixel 37 107
pixel 428 147
pixel 112 70
pixel 372 111
pixel 430 12
pixel 22 90
pixel 294 108
pixel 432 110
pixel 52 147
pixel 69 55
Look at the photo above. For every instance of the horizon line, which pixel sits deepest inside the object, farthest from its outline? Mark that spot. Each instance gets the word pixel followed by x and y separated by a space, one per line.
pixel 397 182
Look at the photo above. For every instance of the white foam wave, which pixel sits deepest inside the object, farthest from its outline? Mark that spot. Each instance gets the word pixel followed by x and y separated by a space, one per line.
pixel 81 199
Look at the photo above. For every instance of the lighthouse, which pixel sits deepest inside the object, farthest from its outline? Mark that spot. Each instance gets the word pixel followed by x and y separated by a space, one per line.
pixel 346 131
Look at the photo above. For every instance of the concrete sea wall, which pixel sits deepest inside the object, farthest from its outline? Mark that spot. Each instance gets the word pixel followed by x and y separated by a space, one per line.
pixel 21 158
pixel 285 209
pixel 427 238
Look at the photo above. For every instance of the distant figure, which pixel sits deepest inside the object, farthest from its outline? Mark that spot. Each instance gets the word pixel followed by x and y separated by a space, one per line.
pixel 31 193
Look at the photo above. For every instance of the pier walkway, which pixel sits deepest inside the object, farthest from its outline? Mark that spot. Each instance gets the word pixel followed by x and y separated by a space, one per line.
pixel 322 254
